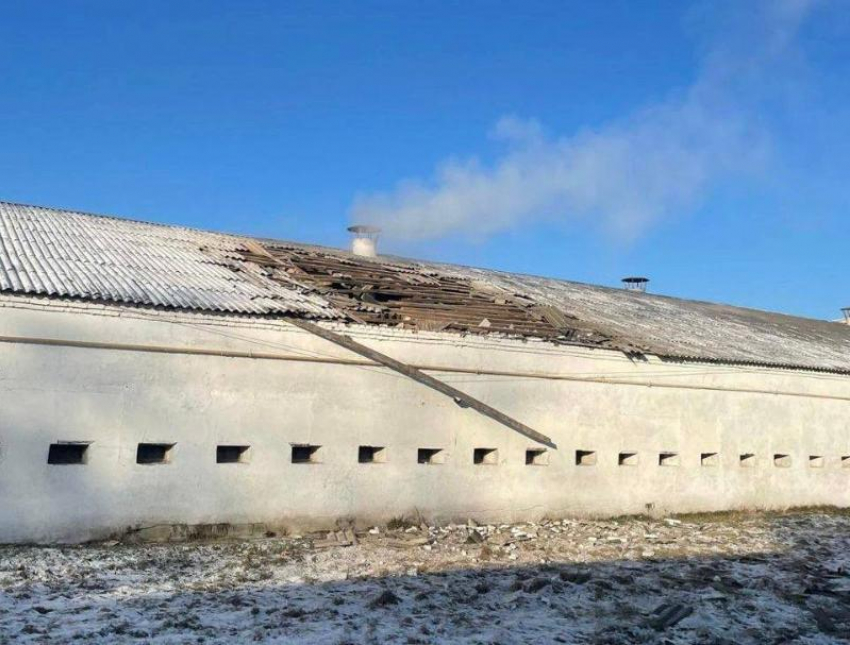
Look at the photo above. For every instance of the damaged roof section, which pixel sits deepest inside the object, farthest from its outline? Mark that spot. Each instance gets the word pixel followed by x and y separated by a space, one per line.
pixel 416 297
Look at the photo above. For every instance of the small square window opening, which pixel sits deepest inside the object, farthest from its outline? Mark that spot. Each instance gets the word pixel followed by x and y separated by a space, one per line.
pixel 536 457
pixel 627 459
pixel 371 454
pixel 485 456
pixel 585 457
pixel 430 456
pixel 154 453
pixel 747 460
pixel 709 459
pixel 305 454
pixel 782 460
pixel 67 453
pixel 668 459
pixel 232 454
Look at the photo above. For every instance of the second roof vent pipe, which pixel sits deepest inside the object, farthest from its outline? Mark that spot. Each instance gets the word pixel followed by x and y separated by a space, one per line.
pixel 635 283
pixel 364 240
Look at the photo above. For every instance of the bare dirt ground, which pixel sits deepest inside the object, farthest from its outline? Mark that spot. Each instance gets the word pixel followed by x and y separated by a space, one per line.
pixel 763 578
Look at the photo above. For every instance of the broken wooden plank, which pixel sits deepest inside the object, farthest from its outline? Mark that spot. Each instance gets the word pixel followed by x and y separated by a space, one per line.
pixel 461 398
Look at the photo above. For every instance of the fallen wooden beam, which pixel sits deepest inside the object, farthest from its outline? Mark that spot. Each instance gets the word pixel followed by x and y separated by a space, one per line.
pixel 461 398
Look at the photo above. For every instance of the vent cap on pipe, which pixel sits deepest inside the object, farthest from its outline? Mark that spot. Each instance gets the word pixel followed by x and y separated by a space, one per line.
pixel 635 283
pixel 364 240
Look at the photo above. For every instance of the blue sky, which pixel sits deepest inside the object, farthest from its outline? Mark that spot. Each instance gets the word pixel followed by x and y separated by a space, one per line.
pixel 283 119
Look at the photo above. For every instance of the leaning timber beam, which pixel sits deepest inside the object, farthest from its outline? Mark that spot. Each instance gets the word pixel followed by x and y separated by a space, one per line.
pixel 461 398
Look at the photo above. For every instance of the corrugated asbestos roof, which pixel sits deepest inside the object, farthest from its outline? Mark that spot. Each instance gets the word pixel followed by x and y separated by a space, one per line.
pixel 688 329
pixel 69 254
pixel 64 253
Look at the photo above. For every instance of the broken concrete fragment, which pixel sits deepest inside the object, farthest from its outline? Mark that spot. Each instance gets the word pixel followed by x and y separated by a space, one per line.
pixel 474 537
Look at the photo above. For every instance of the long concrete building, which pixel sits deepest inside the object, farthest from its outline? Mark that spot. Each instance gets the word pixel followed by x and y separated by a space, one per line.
pixel 163 381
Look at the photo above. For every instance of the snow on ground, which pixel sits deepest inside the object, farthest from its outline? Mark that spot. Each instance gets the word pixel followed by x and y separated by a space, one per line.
pixel 761 578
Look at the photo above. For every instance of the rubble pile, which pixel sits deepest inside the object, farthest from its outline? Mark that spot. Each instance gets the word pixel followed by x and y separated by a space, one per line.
pixel 735 578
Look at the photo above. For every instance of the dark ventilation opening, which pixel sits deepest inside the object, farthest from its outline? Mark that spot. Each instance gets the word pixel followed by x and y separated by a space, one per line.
pixel 709 459
pixel 585 457
pixel 536 457
pixel 304 454
pixel 816 461
pixel 748 460
pixel 231 454
pixel 430 456
pixel 485 456
pixel 154 453
pixel 65 454
pixel 627 459
pixel 782 460
pixel 668 459
pixel 371 454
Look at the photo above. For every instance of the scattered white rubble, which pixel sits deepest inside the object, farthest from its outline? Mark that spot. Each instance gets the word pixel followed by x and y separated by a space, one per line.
pixel 724 580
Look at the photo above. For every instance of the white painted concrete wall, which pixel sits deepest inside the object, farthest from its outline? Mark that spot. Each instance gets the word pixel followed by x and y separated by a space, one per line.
pixel 584 399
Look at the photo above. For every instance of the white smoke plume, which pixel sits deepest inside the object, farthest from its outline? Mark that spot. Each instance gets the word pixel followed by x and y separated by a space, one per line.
pixel 659 161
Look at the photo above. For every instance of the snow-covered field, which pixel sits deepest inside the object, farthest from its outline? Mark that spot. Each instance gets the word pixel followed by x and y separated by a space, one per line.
pixel 728 579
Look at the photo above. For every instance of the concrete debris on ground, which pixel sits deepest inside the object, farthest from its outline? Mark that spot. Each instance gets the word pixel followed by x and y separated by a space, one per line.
pixel 726 579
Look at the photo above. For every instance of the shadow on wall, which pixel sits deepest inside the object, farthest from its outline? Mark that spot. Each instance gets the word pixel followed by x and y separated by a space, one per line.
pixel 276 591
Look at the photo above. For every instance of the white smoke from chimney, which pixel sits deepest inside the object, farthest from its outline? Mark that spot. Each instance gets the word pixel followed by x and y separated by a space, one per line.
pixel 625 175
